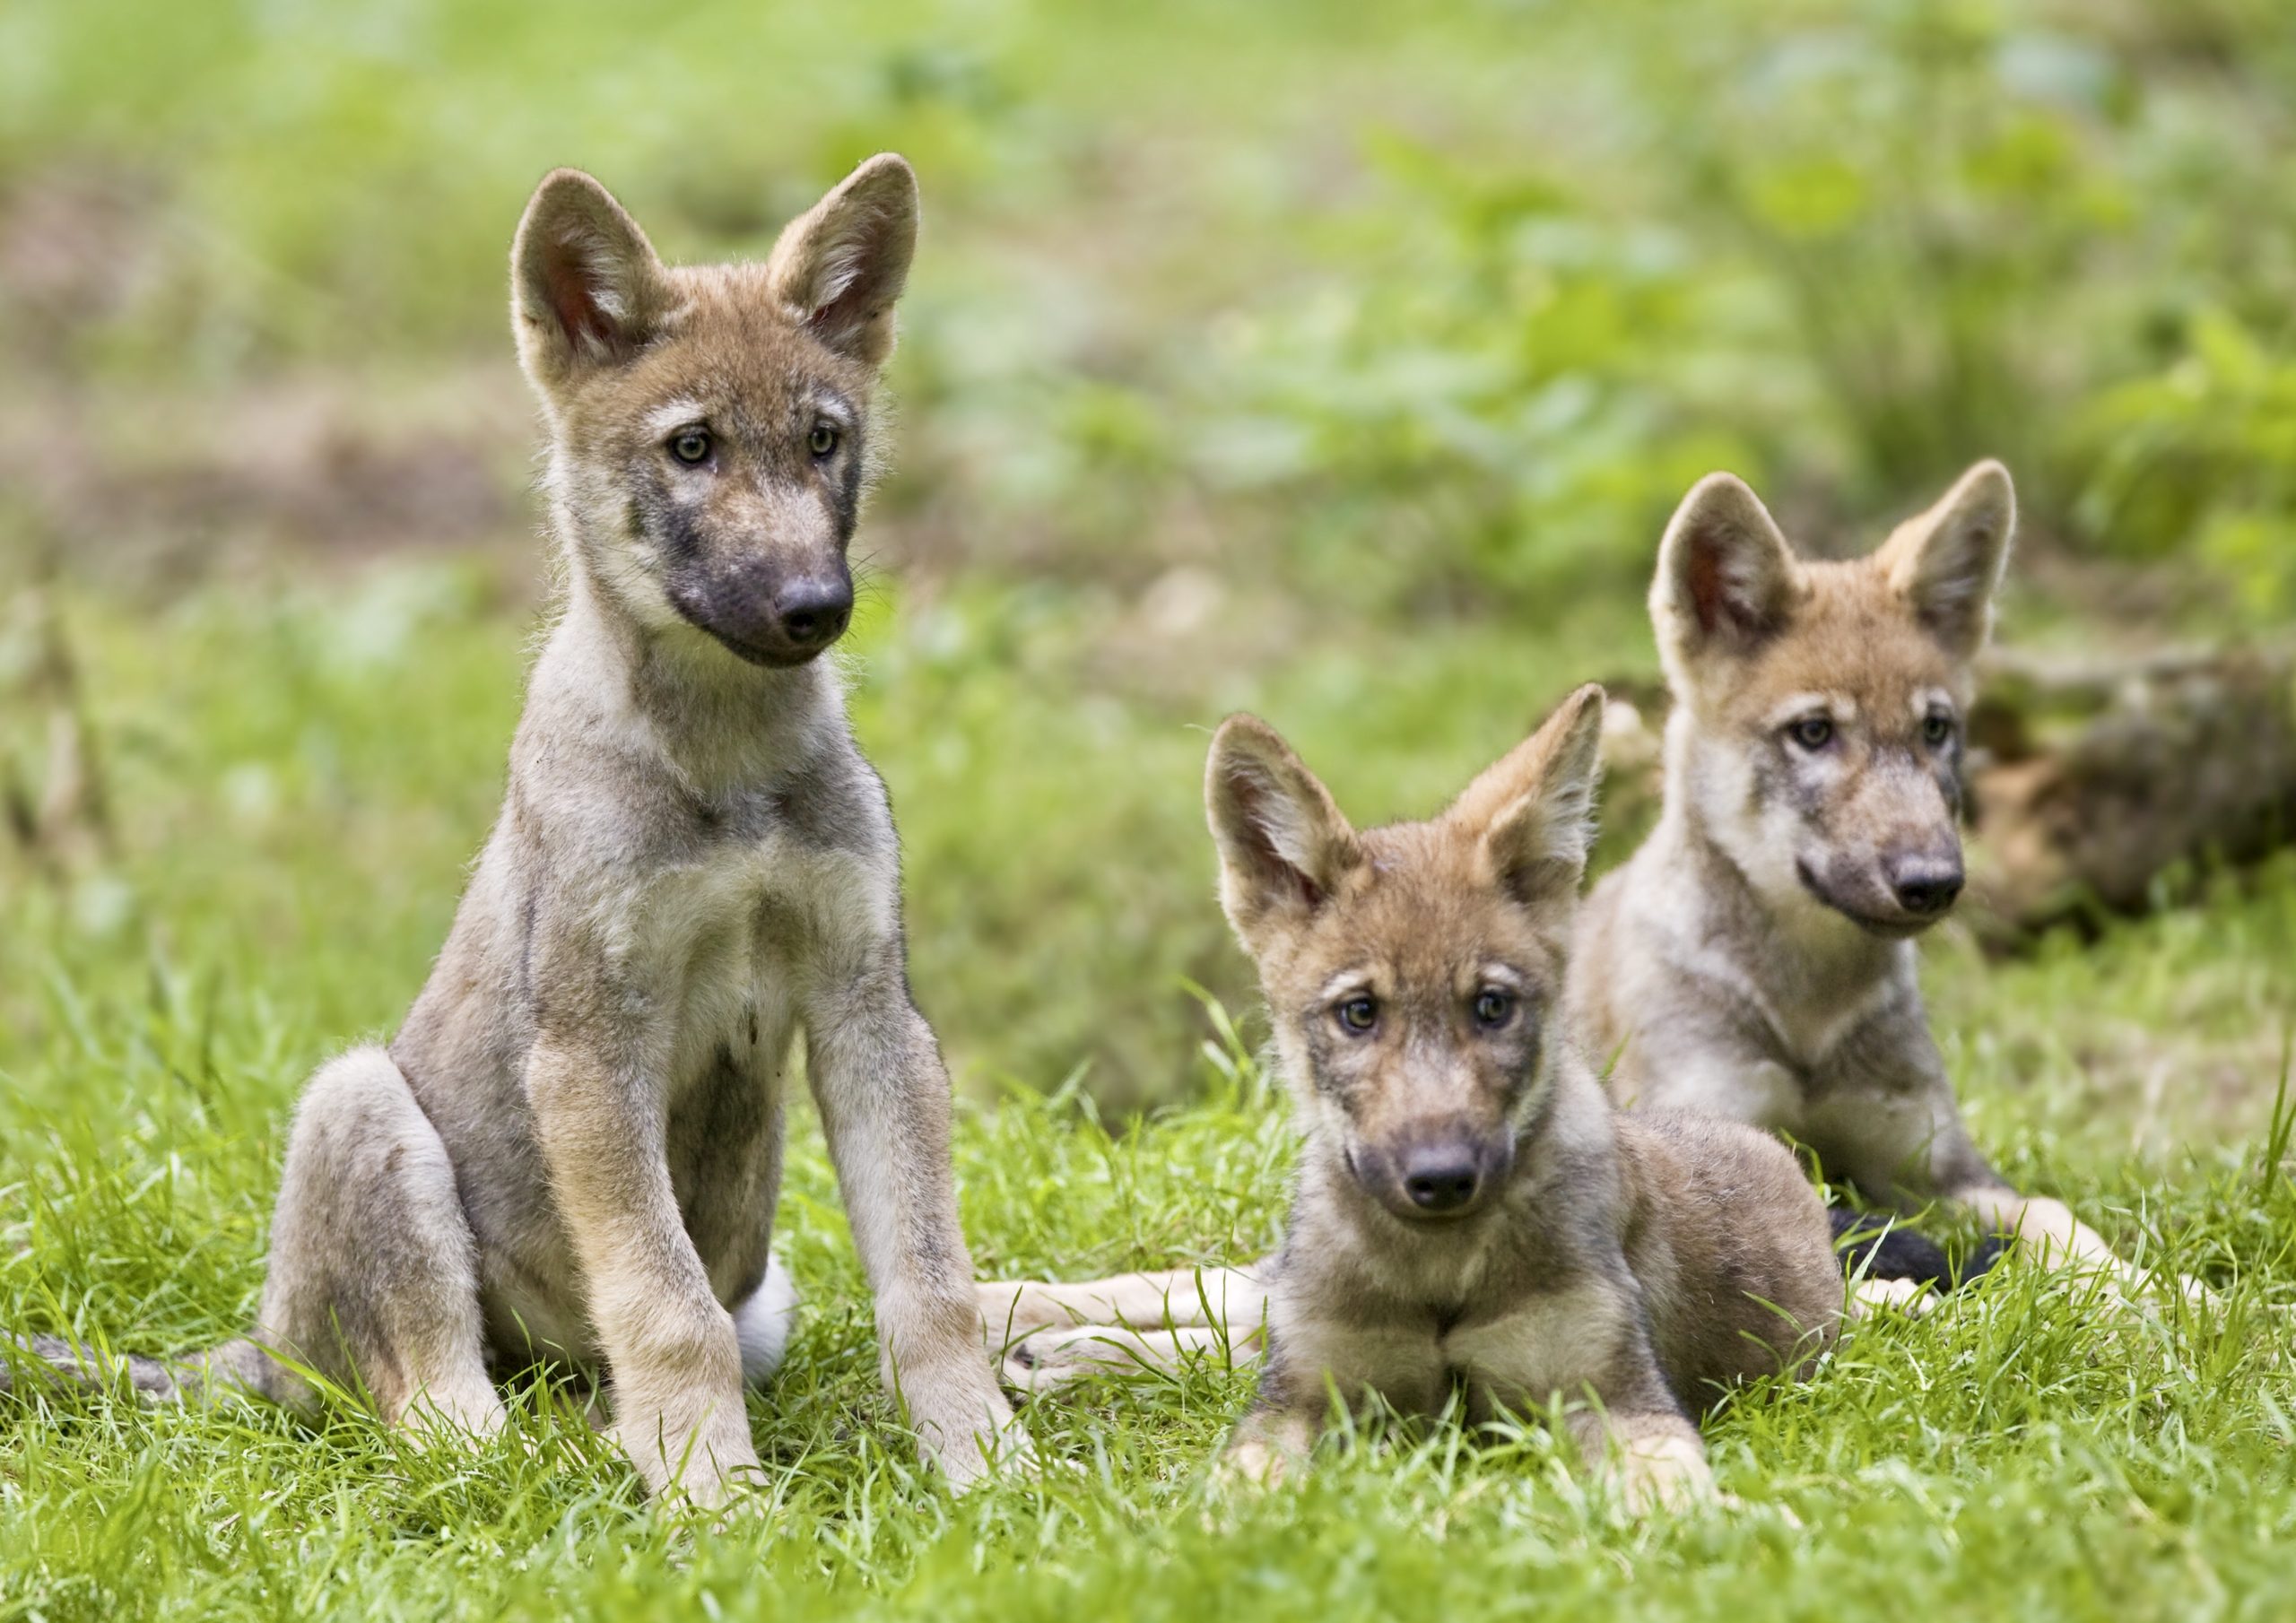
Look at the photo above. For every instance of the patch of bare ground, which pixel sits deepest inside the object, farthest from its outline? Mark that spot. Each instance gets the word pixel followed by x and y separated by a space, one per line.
pixel 166 485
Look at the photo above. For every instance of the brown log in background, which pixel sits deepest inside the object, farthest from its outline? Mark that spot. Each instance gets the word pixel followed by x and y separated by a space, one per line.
pixel 2096 783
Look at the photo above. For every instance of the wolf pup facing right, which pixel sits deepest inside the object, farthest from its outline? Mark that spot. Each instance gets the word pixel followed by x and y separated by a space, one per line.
pixel 1469 1212
pixel 1755 958
pixel 572 1148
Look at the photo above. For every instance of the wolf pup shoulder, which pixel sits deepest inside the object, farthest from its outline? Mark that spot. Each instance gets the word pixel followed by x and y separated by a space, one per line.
pixel 572 1148
pixel 1755 958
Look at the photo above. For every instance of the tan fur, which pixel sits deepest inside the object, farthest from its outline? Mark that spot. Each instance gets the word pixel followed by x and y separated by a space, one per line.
pixel 1469 1209
pixel 572 1148
pixel 1753 959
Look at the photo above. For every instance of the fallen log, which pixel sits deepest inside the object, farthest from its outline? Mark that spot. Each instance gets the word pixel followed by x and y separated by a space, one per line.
pixel 2102 787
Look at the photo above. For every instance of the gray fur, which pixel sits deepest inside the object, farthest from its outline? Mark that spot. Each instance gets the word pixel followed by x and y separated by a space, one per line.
pixel 572 1148
pixel 1630 1267
pixel 1750 960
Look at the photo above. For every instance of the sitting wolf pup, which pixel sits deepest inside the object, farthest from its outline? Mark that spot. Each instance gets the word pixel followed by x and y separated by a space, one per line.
pixel 1755 958
pixel 572 1148
pixel 1469 1210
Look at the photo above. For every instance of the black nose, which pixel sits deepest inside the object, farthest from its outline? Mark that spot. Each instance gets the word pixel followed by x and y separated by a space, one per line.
pixel 1440 1177
pixel 813 612
pixel 1926 885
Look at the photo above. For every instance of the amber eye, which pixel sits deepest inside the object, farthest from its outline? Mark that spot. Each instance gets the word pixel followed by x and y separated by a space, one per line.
pixel 1812 732
pixel 1492 1005
pixel 824 438
pixel 1937 727
pixel 690 445
pixel 1359 1013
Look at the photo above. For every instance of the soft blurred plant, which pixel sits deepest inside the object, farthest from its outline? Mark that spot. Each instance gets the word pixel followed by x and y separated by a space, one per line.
pixel 1493 387
pixel 2205 450
pixel 1976 214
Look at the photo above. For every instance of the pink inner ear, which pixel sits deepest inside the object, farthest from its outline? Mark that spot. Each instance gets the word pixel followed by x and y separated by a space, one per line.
pixel 1723 588
pixel 1707 595
pixel 571 298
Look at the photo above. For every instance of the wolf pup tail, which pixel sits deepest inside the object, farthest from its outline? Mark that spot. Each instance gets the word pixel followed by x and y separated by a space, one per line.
pixel 28 1362
pixel 1892 1251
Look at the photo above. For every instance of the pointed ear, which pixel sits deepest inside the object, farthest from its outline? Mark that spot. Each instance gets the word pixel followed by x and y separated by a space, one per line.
pixel 1726 579
pixel 840 266
pixel 1533 811
pixel 1284 844
pixel 1948 562
pixel 586 286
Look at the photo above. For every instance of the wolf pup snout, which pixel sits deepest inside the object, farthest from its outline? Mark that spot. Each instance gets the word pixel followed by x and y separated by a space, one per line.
pixel 765 617
pixel 1442 1174
pixel 1444 1178
pixel 1900 872
pixel 1924 882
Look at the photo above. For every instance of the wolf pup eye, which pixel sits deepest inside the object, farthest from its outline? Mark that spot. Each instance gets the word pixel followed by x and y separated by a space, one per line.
pixel 691 446
pixel 1937 727
pixel 1359 1013
pixel 1492 1005
pixel 1812 731
pixel 824 438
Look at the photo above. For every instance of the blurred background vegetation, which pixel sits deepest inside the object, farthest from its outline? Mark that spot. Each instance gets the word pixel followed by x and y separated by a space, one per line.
pixel 1338 362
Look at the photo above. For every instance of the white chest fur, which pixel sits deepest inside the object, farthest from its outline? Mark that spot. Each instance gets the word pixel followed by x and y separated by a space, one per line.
pixel 740 937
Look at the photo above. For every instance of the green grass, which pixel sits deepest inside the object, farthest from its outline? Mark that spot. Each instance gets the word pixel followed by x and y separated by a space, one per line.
pixel 1338 363
pixel 298 796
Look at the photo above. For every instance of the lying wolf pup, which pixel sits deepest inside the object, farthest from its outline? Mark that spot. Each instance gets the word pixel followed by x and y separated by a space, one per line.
pixel 572 1148
pixel 1755 958
pixel 1469 1210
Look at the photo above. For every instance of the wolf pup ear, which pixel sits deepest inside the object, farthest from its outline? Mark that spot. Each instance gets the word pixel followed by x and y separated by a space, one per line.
pixel 586 286
pixel 840 266
pixel 1283 843
pixel 1533 811
pixel 1948 562
pixel 1726 579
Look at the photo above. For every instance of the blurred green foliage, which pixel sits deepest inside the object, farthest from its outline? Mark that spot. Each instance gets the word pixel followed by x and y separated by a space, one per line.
pixel 1452 301
pixel 1341 362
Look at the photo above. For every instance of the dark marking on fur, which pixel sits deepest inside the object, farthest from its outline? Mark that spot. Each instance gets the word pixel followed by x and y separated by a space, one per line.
pixel 820 805
pixel 724 1151
pixel 671 523
pixel 844 494
pixel 684 544
pixel 529 909
pixel 1892 1251
pixel 1323 1053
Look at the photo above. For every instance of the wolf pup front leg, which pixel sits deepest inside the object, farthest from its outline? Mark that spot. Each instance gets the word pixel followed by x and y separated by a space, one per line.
pixel 669 1344
pixel 883 1095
